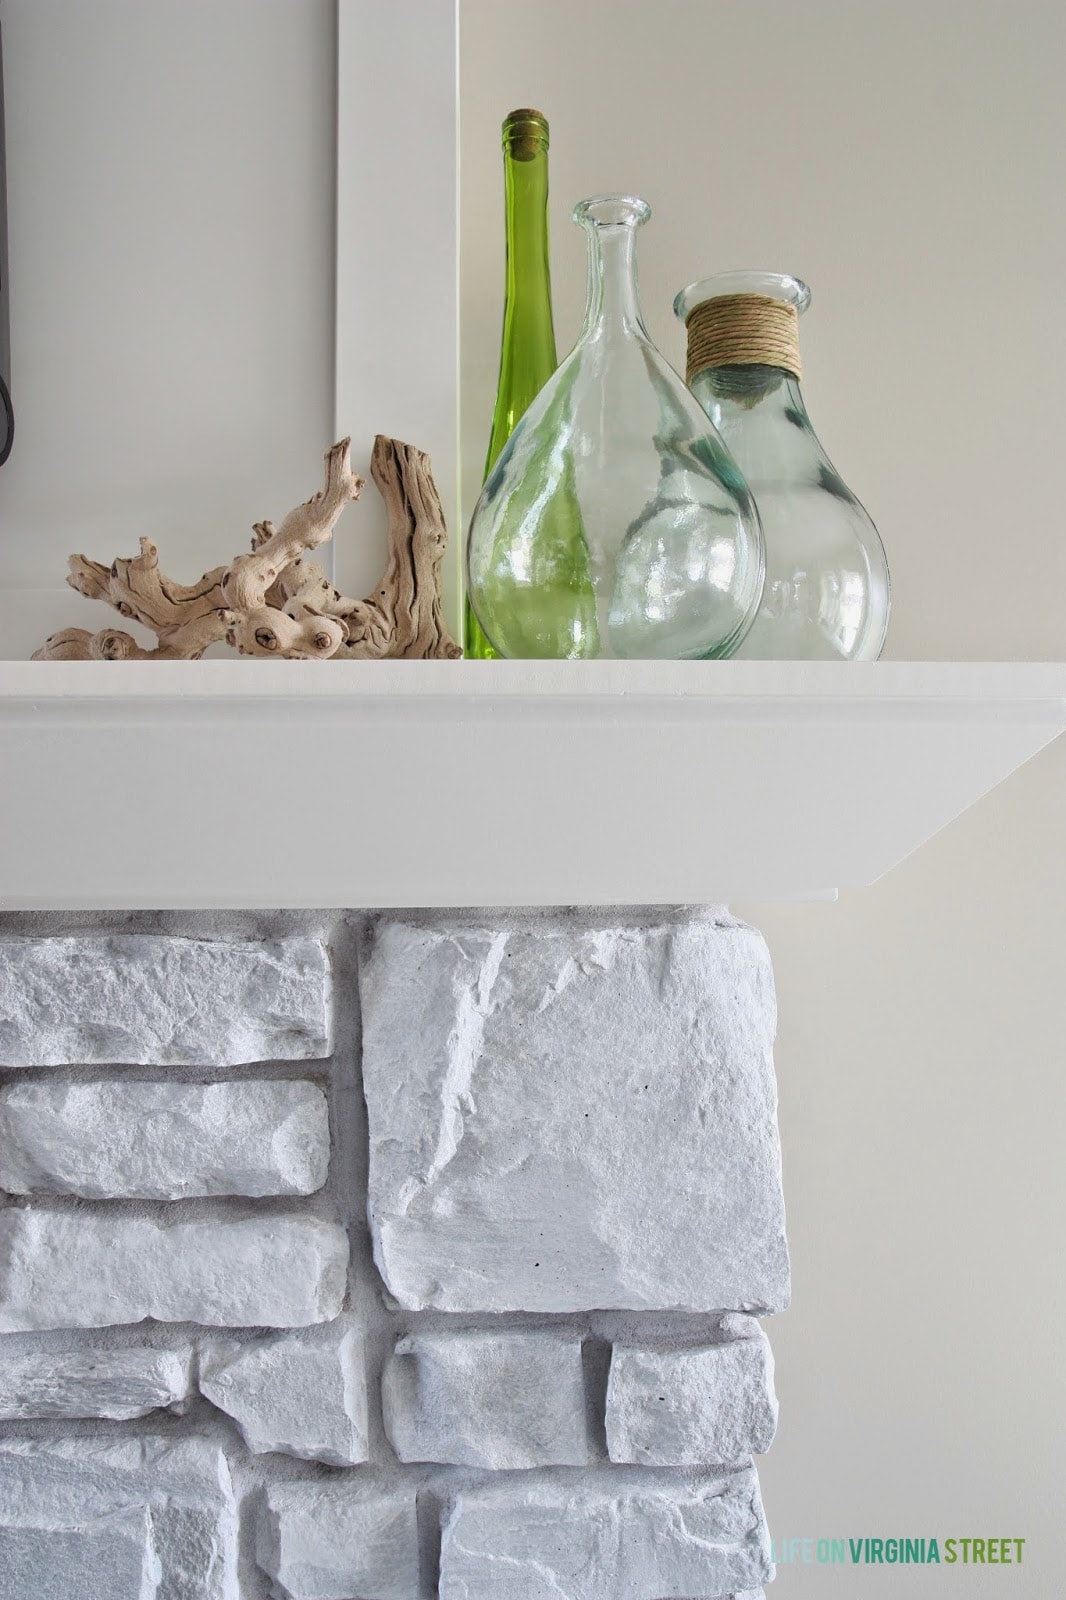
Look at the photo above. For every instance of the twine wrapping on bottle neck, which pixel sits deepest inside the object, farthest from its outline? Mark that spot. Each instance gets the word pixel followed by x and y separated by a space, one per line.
pixel 743 330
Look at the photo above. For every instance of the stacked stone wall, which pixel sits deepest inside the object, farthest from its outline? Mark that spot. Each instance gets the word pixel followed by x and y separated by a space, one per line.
pixel 386 1257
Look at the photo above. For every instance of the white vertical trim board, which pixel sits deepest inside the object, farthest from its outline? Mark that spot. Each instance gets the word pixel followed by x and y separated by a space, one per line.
pixel 397 257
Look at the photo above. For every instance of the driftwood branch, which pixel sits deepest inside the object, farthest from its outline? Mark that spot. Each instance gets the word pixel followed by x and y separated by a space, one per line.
pixel 186 619
pixel 403 617
pixel 297 627
pixel 274 601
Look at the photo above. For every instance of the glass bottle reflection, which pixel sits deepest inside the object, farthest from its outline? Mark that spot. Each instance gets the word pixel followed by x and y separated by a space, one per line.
pixel 827 592
pixel 614 522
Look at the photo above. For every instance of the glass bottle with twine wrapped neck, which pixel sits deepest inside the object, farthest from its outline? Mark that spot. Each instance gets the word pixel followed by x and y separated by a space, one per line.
pixel 827 592
pixel 615 522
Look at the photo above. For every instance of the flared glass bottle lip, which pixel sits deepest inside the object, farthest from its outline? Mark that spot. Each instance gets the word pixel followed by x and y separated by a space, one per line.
pixel 773 285
pixel 612 211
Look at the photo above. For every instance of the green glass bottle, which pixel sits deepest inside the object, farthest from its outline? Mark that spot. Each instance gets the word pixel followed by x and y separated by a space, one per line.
pixel 527 354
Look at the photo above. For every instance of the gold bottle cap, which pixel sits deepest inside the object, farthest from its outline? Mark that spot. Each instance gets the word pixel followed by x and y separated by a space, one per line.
pixel 525 134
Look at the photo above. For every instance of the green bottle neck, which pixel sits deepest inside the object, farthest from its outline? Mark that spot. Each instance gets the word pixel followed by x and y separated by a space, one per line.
pixel 528 272
pixel 527 354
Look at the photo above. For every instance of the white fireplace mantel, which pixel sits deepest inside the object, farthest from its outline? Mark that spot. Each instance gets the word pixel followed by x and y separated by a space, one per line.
pixel 240 784
pixel 244 784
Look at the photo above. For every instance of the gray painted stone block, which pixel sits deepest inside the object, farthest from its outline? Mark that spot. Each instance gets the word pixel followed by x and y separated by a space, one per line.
pixel 111 1558
pixel 158 1001
pixel 117 1519
pixel 569 1119
pixel 336 1541
pixel 163 1141
pixel 116 1384
pixel 300 1397
pixel 87 1269
pixel 499 1401
pixel 601 1535
pixel 712 1405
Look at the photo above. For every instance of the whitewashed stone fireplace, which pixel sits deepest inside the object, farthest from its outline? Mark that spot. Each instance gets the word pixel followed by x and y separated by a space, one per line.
pixel 378 1256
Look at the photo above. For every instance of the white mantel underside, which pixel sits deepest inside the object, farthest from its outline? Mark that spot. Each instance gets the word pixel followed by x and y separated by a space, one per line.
pixel 503 783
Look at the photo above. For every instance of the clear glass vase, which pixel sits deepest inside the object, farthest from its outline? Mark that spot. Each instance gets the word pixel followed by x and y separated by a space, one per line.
pixel 614 522
pixel 827 592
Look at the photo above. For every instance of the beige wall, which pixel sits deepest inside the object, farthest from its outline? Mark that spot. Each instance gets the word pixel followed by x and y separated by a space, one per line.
pixel 907 160
pixel 171 201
